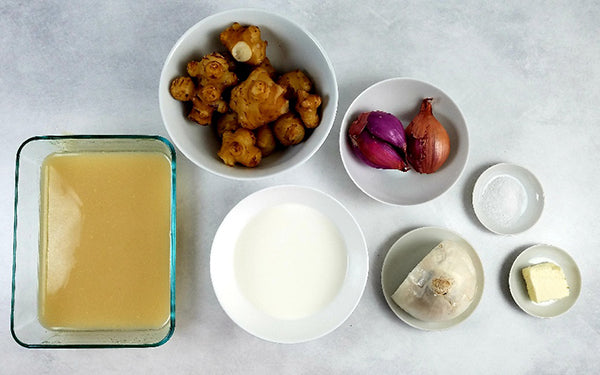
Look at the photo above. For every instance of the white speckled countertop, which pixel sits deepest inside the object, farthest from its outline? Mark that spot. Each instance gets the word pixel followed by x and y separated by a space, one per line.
pixel 525 75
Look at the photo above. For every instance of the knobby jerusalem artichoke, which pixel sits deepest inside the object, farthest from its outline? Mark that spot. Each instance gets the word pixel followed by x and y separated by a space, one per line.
pixel 244 43
pixel 289 130
pixel 258 100
pixel 213 77
pixel 239 147
pixel 265 140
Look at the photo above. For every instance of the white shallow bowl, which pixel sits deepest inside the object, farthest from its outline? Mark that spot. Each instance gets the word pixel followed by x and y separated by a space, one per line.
pixel 402 97
pixel 289 47
pixel 254 320
pixel 403 257
pixel 508 199
pixel 539 254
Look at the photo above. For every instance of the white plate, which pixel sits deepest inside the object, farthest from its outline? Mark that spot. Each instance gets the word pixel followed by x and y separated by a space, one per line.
pixel 257 322
pixel 539 254
pixel 402 97
pixel 508 199
pixel 406 253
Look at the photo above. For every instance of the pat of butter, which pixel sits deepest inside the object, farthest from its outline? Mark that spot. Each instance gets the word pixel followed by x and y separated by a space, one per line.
pixel 545 282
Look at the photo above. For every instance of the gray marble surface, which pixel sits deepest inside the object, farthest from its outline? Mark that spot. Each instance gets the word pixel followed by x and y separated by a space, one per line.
pixel 524 73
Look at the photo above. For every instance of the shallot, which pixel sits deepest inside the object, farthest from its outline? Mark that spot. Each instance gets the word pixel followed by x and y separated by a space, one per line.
pixel 378 139
pixel 427 140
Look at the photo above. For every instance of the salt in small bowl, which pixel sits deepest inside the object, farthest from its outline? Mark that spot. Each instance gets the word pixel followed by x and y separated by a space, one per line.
pixel 508 199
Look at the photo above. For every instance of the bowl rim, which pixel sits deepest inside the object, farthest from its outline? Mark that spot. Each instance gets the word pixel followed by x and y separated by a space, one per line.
pixel 172 240
pixel 249 11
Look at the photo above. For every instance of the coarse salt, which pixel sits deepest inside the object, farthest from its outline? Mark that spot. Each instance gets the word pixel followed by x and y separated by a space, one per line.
pixel 504 200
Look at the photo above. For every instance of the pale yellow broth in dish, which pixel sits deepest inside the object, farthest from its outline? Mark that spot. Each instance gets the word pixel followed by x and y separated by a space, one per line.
pixel 105 241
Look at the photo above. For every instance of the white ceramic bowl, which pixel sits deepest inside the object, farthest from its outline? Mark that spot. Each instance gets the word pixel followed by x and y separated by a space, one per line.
pixel 508 199
pixel 539 254
pixel 289 47
pixel 239 304
pixel 402 258
pixel 402 97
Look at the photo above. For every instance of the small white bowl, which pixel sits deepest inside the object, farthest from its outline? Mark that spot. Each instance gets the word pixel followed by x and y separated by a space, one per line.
pixel 508 199
pixel 539 254
pixel 239 304
pixel 403 257
pixel 402 97
pixel 289 47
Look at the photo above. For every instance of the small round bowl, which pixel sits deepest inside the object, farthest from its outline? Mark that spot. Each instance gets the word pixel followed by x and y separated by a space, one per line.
pixel 289 47
pixel 508 199
pixel 402 258
pixel 539 254
pixel 402 97
pixel 239 304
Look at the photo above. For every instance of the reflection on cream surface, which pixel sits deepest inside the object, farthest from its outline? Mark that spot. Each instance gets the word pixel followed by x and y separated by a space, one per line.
pixel 105 241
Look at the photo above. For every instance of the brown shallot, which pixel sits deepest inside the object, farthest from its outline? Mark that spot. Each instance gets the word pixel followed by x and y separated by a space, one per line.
pixel 428 143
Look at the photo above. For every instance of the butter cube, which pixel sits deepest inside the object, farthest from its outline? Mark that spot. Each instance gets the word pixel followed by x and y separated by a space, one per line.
pixel 545 282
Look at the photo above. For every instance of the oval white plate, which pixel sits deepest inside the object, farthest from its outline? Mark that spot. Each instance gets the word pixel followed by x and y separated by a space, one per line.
pixel 402 97
pixel 402 258
pixel 508 199
pixel 257 322
pixel 539 254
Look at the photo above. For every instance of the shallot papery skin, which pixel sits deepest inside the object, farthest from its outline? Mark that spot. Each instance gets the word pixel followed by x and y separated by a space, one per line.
pixel 357 126
pixel 428 143
pixel 378 139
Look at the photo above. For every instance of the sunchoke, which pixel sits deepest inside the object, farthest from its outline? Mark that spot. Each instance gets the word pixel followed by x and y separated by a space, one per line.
pixel 201 112
pixel 289 129
pixel 182 89
pixel 298 89
pixel 307 106
pixel 227 122
pixel 213 69
pixel 294 81
pixel 239 147
pixel 244 43
pixel 265 140
pixel 258 100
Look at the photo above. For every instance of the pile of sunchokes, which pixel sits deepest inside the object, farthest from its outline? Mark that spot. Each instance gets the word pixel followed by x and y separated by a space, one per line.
pixel 254 109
